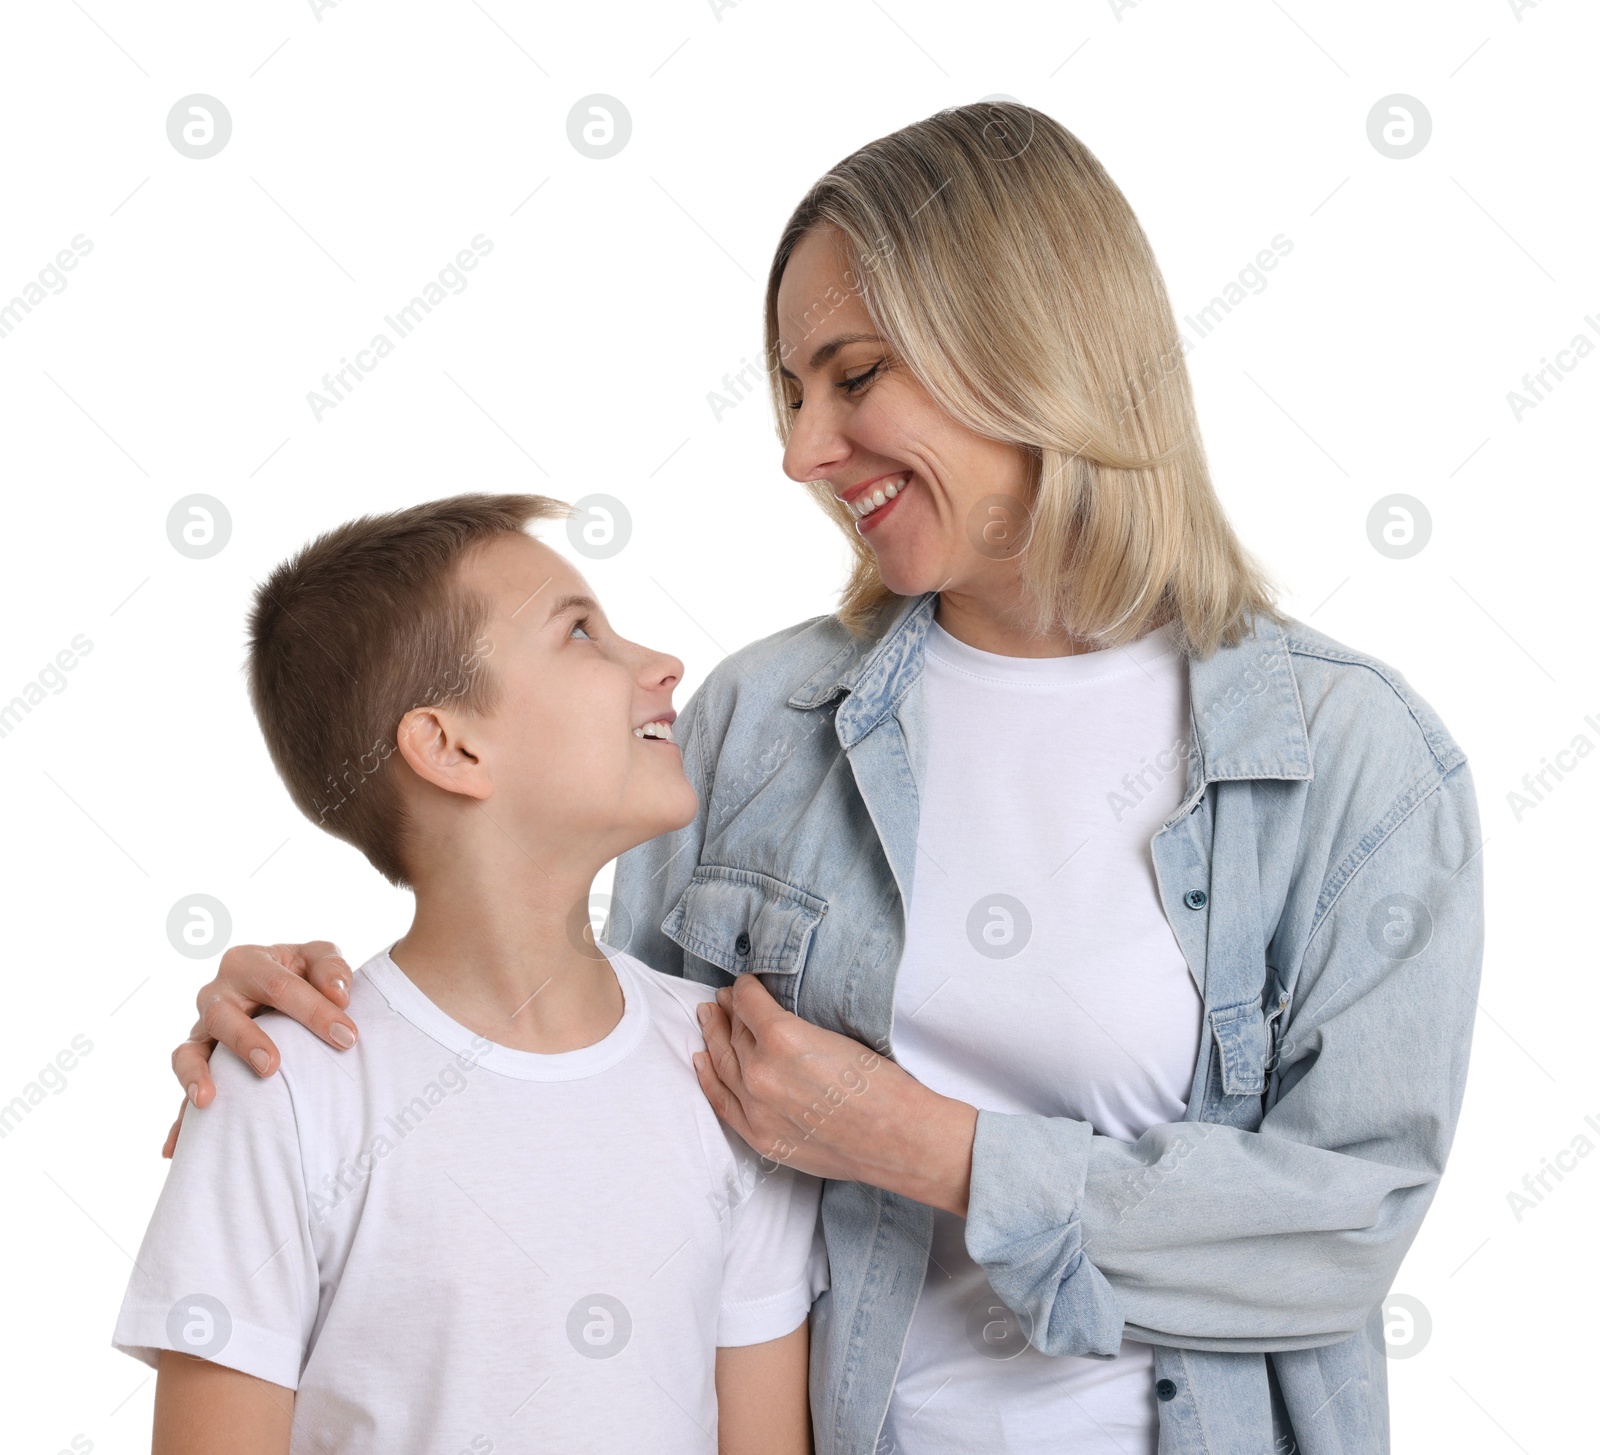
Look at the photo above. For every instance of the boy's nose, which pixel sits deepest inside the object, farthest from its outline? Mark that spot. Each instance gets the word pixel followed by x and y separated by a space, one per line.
pixel 661 671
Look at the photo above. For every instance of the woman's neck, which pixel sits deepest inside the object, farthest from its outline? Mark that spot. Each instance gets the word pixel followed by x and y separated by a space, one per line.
pixel 998 626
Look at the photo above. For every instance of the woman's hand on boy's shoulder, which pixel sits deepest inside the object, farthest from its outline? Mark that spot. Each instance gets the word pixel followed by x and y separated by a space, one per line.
pixel 309 983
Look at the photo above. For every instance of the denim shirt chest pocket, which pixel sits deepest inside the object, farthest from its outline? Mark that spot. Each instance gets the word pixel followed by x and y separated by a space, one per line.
pixel 1246 1036
pixel 743 922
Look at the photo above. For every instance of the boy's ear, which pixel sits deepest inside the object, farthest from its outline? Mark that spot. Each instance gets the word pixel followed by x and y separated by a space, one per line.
pixel 433 743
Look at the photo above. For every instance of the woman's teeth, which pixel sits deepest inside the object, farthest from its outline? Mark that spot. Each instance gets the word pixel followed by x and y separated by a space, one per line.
pixel 885 491
pixel 655 730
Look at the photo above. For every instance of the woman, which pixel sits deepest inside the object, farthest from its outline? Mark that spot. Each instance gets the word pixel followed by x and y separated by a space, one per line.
pixel 1167 908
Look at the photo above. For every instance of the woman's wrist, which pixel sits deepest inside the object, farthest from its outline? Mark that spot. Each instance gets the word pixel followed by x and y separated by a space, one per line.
pixel 928 1157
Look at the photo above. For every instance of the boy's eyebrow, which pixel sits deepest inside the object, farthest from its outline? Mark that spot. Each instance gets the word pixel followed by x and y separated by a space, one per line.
pixel 572 603
pixel 829 349
pixel 529 597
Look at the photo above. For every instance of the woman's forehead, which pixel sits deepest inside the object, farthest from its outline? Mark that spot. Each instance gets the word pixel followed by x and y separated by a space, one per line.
pixel 816 300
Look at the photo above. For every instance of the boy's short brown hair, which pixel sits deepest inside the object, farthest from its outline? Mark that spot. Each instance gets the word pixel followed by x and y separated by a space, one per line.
pixel 353 632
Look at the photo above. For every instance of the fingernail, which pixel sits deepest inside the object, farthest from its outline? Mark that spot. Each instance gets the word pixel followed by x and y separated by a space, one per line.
pixel 341 985
pixel 704 1013
pixel 194 1093
pixel 342 1036
pixel 260 1060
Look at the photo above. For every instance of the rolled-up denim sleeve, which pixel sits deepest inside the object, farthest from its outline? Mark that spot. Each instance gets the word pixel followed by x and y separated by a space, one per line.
pixel 1211 1237
pixel 1026 1229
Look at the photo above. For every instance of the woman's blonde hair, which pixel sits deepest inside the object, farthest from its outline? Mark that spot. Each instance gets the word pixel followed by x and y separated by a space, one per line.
pixel 1008 272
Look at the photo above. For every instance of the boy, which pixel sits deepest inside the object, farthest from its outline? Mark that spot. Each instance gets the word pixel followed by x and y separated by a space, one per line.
pixel 507 1220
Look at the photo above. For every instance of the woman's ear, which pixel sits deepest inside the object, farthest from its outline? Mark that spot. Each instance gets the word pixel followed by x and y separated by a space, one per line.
pixel 433 742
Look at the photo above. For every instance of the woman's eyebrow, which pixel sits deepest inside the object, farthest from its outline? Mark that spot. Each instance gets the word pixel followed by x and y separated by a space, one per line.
pixel 828 350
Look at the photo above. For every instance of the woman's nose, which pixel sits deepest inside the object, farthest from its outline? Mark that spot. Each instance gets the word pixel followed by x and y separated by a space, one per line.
pixel 817 447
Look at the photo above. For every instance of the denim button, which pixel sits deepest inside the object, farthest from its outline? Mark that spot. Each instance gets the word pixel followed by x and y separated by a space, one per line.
pixel 1165 1388
pixel 1195 899
pixel 742 944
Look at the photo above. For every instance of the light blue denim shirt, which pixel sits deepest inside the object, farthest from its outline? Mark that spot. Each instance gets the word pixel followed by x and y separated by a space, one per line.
pixel 1323 880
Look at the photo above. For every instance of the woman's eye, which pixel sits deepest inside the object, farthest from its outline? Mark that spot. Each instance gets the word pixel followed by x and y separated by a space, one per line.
pixel 855 383
pixel 851 384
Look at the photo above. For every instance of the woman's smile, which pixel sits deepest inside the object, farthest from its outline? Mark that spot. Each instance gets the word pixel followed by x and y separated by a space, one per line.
pixel 868 501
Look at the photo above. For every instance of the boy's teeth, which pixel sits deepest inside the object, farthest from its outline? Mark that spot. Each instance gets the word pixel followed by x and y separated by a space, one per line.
pixel 655 730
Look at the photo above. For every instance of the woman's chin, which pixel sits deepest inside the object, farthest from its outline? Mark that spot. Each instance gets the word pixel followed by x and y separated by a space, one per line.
pixel 905 565
pixel 910 578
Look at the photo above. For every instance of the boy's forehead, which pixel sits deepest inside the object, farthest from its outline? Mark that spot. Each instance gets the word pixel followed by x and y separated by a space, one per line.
pixel 518 565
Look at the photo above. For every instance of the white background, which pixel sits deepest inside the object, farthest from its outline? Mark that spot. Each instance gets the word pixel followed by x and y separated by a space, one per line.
pixel 372 142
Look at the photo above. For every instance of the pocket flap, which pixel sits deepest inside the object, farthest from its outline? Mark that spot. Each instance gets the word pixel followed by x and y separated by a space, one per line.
pixel 1241 1032
pixel 743 921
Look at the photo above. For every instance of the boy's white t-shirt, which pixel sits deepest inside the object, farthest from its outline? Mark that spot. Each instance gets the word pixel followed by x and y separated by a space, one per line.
pixel 443 1244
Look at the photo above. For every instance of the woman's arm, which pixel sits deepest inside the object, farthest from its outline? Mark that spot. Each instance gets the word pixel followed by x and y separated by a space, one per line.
pixel 762 1404
pixel 1286 1237
pixel 202 1408
pixel 1198 1235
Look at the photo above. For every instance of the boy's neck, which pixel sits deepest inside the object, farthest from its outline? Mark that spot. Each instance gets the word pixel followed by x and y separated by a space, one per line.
pixel 500 948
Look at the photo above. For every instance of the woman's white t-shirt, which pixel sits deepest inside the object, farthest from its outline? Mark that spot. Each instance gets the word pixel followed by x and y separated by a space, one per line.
pixel 1040 975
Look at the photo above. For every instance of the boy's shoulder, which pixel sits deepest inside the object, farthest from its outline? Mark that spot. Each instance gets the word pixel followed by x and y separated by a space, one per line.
pixel 673 1000
pixel 305 1056
pixel 392 1048
pixel 328 1088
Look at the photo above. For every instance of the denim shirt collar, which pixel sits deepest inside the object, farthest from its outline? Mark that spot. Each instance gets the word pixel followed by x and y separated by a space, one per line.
pixel 1244 702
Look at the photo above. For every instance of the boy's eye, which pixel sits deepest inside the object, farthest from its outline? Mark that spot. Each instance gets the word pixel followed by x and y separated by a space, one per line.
pixel 581 629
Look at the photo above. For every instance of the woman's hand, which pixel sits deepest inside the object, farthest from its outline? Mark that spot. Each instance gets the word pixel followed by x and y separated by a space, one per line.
pixel 830 1106
pixel 310 983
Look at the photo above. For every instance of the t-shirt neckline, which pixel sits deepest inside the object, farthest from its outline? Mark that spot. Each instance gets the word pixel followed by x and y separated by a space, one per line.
pixel 406 1000
pixel 1085 667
